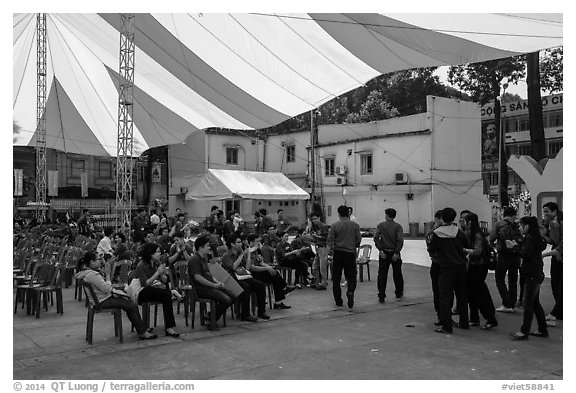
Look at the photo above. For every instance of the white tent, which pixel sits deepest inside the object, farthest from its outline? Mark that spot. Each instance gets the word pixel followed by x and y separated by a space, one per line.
pixel 218 184
pixel 237 71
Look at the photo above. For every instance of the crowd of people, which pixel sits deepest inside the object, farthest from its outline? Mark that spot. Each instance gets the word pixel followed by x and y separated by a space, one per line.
pixel 460 251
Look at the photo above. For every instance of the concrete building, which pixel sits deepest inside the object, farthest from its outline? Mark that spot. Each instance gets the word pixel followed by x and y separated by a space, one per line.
pixel 415 164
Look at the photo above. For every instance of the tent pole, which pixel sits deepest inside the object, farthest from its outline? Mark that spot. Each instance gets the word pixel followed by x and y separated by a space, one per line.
pixel 41 117
pixel 124 159
pixel 313 138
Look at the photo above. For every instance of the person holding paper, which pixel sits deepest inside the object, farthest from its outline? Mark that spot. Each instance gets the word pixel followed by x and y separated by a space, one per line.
pixel 205 284
pixel 234 262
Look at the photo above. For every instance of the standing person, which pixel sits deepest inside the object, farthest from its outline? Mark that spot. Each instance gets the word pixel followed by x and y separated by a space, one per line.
pixel 435 266
pixel 154 219
pixel 352 216
pixel 389 240
pixel 462 220
pixel 532 266
pixel 265 222
pixel 139 224
pixel 319 233
pixel 154 283
pixel 282 223
pixel 508 259
pixel 211 219
pixel 205 284
pixel 449 242
pixel 344 238
pixel 554 236
pixel 479 296
pixel 84 223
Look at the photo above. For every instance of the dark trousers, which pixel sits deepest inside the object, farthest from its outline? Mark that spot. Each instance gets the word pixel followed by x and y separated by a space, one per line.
pixel 131 310
pixel 507 264
pixel 556 281
pixel 453 280
pixel 251 285
pixel 479 298
pixel 300 266
pixel 532 306
pixel 162 295
pixel 223 300
pixel 343 260
pixel 434 274
pixel 278 283
pixel 383 267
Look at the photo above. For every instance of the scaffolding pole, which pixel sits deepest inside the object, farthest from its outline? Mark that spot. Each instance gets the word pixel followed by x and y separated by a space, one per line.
pixel 124 162
pixel 40 117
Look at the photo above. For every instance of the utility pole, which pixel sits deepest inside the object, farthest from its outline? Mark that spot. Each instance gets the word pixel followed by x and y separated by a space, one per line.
pixel 313 140
pixel 124 163
pixel 41 117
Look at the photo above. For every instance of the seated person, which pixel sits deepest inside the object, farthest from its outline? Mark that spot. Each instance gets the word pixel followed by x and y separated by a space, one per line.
pixel 289 257
pixel 205 285
pixel 270 238
pixel 179 251
pixel 120 249
pixel 89 270
pixel 265 273
pixel 154 282
pixel 234 262
pixel 164 240
pixel 304 242
pixel 214 239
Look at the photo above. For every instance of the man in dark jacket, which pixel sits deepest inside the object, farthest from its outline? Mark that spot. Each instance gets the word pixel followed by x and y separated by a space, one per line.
pixel 344 238
pixel 508 259
pixel 447 243
pixel 434 266
pixel 389 240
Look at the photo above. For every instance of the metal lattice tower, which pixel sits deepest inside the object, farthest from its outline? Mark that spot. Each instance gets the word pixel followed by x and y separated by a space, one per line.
pixel 124 163
pixel 40 117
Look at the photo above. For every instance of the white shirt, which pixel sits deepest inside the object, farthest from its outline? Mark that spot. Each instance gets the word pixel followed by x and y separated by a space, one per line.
pixel 104 246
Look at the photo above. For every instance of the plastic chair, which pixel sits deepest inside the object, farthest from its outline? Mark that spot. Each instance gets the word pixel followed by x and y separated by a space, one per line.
pixel 182 283
pixel 203 302
pixel 54 280
pixel 94 307
pixel 363 259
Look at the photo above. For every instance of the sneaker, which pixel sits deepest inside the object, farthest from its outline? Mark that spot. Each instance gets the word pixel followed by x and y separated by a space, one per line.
pixel 264 316
pixel 474 323
pixel 381 299
pixel 339 303
pixel 320 287
pixel 519 336
pixel 540 334
pixel 550 317
pixel 350 297
pixel 148 336
pixel 298 286
pixel 551 323
pixel 281 306
pixel 249 318
pixel 505 309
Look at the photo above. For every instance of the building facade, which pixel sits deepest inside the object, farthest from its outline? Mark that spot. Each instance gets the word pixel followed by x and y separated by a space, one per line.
pixel 516 126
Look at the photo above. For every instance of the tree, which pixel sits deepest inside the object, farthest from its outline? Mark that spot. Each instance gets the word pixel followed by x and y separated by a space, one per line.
pixel 482 81
pixel 375 107
pixel 551 70
pixel 537 137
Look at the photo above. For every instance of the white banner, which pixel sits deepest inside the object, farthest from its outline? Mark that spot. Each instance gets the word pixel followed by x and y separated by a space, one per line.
pixel 52 183
pixel 18 182
pixel 84 184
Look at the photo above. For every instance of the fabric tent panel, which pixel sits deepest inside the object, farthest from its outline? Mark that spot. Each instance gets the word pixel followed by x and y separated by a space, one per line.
pixel 220 184
pixel 65 129
pixel 378 40
pixel 167 50
pixel 158 125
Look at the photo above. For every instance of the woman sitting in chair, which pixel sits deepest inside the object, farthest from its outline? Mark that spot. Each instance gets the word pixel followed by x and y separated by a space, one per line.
pixel 89 270
pixel 154 282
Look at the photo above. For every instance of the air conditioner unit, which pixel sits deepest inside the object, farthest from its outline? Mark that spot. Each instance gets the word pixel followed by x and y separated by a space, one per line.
pixel 339 180
pixel 401 178
pixel 341 170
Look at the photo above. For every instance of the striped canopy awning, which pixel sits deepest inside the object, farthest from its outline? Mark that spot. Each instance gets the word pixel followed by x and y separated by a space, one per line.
pixel 236 71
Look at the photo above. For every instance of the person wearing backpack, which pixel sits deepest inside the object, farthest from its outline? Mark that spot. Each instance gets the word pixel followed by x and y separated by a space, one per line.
pixel 479 298
pixel 508 259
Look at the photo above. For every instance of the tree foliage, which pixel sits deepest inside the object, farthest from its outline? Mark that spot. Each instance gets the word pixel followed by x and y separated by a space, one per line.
pixel 551 70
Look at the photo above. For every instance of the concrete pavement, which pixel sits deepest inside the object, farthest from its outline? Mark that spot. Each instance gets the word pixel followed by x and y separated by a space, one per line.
pixel 313 340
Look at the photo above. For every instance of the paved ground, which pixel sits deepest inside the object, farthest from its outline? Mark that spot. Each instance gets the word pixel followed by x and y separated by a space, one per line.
pixel 313 340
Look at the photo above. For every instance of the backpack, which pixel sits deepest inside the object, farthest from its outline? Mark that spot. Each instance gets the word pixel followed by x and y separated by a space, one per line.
pixel 490 255
pixel 509 231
